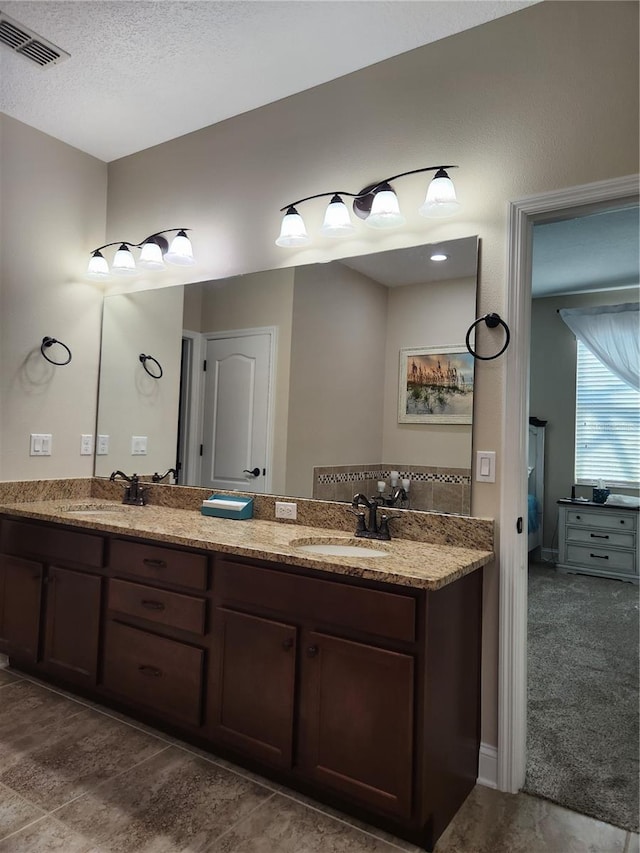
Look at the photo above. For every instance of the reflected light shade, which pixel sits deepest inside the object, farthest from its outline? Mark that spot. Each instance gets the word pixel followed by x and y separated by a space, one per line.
pixel 292 232
pixel 441 198
pixel 98 268
pixel 180 251
pixel 151 256
pixel 337 222
pixel 385 210
pixel 439 256
pixel 123 262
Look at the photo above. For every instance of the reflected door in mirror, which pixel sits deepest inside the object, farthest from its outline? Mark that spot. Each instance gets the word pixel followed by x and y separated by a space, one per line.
pixel 236 412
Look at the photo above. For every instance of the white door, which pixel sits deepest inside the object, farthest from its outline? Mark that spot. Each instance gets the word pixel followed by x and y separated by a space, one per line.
pixel 236 413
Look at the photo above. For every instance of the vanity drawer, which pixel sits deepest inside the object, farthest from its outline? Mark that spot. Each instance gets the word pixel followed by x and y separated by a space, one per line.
pixel 602 518
pixel 154 562
pixel 371 611
pixel 602 559
pixel 601 538
pixel 51 544
pixel 158 605
pixel 162 674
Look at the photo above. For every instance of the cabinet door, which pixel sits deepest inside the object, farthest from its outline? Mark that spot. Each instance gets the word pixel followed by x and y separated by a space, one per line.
pixel 72 623
pixel 253 693
pixel 356 724
pixel 20 592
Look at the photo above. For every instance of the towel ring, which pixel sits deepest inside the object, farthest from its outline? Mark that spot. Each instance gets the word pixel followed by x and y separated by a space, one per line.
pixel 144 359
pixel 492 320
pixel 49 342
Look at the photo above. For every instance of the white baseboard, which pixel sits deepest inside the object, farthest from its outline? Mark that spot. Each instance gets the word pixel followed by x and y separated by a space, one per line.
pixel 549 555
pixel 488 766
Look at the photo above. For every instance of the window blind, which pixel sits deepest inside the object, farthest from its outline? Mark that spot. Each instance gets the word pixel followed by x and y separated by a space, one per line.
pixel 607 425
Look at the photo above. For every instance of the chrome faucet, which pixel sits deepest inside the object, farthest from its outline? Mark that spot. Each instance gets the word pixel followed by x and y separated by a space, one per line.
pixel 134 493
pixel 370 530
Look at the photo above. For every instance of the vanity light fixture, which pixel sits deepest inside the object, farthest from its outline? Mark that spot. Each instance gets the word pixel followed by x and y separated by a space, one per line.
pixel 154 252
pixel 377 204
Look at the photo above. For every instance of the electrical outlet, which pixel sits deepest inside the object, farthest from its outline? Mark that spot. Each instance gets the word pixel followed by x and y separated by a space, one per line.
pixel 286 510
pixel 102 447
pixel 86 445
pixel 138 445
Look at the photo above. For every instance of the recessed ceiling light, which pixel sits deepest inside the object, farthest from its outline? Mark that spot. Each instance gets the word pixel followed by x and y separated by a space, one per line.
pixel 439 256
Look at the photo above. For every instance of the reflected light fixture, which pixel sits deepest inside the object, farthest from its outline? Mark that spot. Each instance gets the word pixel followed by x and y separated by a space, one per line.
pixel 377 204
pixel 155 252
pixel 438 257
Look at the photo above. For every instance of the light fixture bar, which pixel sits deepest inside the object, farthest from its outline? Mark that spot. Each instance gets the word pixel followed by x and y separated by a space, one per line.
pixel 155 250
pixel 376 203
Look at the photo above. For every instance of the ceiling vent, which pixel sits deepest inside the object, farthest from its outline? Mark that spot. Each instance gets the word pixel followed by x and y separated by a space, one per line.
pixel 23 40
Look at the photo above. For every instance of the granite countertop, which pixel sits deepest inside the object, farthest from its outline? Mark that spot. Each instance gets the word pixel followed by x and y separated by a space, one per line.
pixel 420 565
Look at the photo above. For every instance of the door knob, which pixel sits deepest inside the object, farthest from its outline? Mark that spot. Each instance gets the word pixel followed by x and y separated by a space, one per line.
pixel 255 472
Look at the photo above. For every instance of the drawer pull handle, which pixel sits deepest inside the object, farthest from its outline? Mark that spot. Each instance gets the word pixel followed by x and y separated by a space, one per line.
pixel 599 536
pixel 287 644
pixel 155 564
pixel 599 556
pixel 152 605
pixel 312 651
pixel 151 671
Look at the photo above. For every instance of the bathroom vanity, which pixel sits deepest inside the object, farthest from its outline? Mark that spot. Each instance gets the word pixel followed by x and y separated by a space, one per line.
pixel 355 680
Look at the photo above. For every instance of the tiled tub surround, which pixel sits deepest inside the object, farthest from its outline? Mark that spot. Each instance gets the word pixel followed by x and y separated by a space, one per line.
pixel 428 550
pixel 432 489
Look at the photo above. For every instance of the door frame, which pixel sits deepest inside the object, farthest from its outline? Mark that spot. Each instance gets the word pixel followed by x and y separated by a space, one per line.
pixel 512 664
pixel 192 461
pixel 272 332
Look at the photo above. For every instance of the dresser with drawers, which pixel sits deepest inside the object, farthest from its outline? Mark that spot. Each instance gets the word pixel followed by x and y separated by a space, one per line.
pixel 598 539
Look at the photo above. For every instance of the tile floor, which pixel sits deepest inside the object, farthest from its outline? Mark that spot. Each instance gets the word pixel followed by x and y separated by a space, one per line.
pixel 78 779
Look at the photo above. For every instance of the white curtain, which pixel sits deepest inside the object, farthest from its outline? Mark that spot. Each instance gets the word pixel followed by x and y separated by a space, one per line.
pixel 612 334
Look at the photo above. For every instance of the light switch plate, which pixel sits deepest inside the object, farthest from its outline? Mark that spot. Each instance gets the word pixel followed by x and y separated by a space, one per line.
pixel 486 466
pixel 138 445
pixel 40 444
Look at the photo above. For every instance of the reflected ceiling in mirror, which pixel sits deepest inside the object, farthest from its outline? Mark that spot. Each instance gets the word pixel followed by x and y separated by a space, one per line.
pixel 329 338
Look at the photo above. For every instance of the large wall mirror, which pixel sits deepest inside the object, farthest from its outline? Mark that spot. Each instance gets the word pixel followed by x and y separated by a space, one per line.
pixel 320 380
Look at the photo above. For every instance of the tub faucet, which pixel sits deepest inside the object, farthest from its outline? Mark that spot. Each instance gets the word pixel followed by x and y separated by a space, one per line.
pixel 134 493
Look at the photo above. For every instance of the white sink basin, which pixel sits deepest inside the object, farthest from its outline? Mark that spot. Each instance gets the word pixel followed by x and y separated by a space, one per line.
pixel 334 548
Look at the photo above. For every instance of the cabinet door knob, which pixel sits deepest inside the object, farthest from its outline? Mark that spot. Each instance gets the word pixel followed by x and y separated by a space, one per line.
pixel 312 651
pixel 287 644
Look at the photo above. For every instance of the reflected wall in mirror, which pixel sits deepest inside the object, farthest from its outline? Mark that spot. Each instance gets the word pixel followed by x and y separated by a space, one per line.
pixel 326 340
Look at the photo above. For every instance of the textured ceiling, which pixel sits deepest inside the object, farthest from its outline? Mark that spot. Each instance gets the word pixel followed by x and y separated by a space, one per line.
pixel 598 251
pixel 141 72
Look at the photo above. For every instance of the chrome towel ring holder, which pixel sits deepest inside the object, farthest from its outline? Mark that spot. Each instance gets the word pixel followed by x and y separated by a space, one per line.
pixel 156 374
pixel 49 342
pixel 492 321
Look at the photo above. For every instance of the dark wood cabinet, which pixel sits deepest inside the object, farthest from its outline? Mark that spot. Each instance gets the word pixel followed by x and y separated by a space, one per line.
pixel 72 623
pixel 361 693
pixel 253 685
pixel 356 720
pixel 20 600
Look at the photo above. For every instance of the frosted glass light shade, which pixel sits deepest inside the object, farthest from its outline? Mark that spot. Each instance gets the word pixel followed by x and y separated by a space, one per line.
pixel 180 251
pixel 385 210
pixel 337 222
pixel 441 198
pixel 98 267
pixel 151 256
pixel 123 262
pixel 292 231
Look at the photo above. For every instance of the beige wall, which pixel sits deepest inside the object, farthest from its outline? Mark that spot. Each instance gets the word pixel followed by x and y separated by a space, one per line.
pixel 249 302
pixel 541 99
pixel 130 401
pixel 552 394
pixel 337 372
pixel 52 211
pixel 419 315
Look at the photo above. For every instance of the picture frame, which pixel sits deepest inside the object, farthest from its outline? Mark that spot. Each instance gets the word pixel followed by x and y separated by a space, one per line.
pixel 436 385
